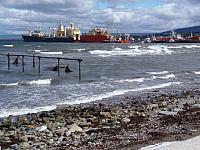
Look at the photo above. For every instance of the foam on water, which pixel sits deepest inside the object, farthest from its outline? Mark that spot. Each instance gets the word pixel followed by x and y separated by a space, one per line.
pixel 166 76
pixel 131 80
pixel 157 73
pixel 52 53
pixel 196 72
pixel 79 49
pixel 134 47
pixel 8 45
pixel 34 82
pixel 150 50
pixel 21 111
pixel 191 46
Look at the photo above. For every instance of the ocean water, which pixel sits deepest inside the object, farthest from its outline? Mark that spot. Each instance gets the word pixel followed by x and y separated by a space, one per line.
pixel 107 70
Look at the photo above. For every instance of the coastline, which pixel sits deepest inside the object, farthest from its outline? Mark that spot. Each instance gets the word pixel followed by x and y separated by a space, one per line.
pixel 126 122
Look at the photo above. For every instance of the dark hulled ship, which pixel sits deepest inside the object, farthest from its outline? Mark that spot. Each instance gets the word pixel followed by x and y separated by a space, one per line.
pixel 60 34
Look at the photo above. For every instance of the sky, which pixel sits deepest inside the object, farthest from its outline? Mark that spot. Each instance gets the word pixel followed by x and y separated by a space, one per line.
pixel 135 16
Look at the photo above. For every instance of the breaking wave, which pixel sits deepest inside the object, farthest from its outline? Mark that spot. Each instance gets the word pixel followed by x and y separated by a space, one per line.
pixel 157 73
pixel 21 111
pixel 121 92
pixel 24 83
pixel 136 51
pixel 8 45
pixel 52 53
pixel 196 72
pixel 131 80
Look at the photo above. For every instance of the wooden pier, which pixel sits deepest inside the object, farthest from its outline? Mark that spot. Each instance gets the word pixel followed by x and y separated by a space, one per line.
pixel 22 57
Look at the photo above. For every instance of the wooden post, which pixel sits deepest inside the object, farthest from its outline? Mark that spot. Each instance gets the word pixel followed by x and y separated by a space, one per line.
pixel 79 70
pixel 22 63
pixel 58 66
pixel 8 61
pixel 33 61
pixel 39 65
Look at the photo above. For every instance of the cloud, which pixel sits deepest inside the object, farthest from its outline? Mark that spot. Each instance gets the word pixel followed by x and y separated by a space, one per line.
pixel 16 16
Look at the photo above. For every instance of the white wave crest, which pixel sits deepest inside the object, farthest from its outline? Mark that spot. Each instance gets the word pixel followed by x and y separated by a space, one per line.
pixel 24 83
pixel 21 111
pixel 117 49
pixel 151 50
pixel 52 53
pixel 196 72
pixel 40 82
pixel 131 80
pixel 166 77
pixel 134 47
pixel 191 46
pixel 175 47
pixel 157 73
pixel 79 49
pixel 8 45
pixel 35 50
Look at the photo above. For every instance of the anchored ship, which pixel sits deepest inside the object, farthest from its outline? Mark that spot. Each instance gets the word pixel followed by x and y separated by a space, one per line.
pixel 96 35
pixel 73 34
pixel 60 34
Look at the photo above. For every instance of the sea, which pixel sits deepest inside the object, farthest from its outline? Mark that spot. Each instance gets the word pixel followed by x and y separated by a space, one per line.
pixel 107 70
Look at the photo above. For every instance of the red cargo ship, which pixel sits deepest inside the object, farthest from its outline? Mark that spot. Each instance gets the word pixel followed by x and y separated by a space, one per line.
pixel 96 35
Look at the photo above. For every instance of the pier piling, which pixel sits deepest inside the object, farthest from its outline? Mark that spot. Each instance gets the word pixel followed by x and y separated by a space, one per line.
pixel 23 63
pixel 58 66
pixel 8 56
pixel 33 61
pixel 39 65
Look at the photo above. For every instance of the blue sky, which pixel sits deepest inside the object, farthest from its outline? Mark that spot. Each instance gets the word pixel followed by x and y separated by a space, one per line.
pixel 129 15
pixel 131 5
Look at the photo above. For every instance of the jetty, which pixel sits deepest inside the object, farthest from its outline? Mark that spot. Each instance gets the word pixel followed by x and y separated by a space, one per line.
pixel 40 58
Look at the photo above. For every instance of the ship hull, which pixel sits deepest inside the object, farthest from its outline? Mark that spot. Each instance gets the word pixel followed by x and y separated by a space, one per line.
pixel 27 38
pixel 94 39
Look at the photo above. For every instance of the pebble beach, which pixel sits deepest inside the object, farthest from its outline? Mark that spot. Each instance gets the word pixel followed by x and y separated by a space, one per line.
pixel 132 122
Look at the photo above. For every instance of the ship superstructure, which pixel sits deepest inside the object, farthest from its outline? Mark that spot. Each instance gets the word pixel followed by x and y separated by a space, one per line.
pixel 59 34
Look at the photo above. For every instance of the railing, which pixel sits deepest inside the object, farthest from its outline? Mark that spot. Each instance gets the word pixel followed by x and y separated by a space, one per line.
pixel 39 61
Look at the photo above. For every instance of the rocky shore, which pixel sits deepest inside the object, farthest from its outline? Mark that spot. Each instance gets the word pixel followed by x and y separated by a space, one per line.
pixel 130 123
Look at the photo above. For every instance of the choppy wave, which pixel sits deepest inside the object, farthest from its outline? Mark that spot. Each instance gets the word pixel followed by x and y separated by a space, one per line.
pixel 150 50
pixel 52 53
pixel 157 73
pixel 24 83
pixel 8 45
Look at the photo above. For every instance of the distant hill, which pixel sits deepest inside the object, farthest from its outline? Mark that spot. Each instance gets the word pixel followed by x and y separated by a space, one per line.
pixel 194 30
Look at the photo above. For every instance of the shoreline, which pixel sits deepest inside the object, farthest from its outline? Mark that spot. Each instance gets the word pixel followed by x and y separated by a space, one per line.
pixel 124 122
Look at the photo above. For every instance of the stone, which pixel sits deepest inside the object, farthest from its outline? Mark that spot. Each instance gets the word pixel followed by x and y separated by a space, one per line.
pixel 168 113
pixel 74 128
pixel 126 120
pixel 41 129
pixel 23 139
pixel 14 147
